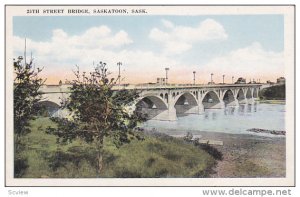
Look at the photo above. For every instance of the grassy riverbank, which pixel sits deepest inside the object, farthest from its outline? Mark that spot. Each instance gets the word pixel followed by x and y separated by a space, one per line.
pixel 158 155
pixel 155 156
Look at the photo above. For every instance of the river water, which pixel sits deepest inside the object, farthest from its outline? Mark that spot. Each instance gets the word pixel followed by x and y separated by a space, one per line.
pixel 234 120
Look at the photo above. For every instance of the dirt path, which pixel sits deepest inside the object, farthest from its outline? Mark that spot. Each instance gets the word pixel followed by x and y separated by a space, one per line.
pixel 249 155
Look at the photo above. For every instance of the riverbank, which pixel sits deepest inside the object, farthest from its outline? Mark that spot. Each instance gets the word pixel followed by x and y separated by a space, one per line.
pixel 158 155
pixel 152 156
pixel 280 102
pixel 248 155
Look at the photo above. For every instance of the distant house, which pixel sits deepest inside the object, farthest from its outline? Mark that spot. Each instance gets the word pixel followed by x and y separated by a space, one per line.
pixel 281 80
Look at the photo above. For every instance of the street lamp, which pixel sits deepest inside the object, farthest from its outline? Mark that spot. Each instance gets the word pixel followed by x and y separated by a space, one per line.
pixel 167 69
pixel 232 79
pixel 223 78
pixel 194 72
pixel 211 80
pixel 119 76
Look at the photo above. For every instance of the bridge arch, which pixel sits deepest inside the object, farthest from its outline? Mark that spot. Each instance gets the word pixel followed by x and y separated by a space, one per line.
pixel 228 97
pixel 248 93
pixel 49 108
pixel 211 100
pixel 255 93
pixel 186 103
pixel 185 98
pixel 240 95
pixel 151 105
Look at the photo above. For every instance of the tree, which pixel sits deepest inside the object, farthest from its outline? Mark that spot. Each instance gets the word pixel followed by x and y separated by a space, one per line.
pixel 97 111
pixel 26 96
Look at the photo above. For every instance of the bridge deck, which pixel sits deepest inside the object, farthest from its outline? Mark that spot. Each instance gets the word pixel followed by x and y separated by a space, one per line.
pixel 64 88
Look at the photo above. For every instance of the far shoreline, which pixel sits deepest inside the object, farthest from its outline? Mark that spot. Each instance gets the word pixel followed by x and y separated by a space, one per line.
pixel 274 101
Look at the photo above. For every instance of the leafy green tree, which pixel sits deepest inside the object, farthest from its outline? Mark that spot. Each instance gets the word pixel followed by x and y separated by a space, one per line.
pixel 26 88
pixel 274 92
pixel 97 110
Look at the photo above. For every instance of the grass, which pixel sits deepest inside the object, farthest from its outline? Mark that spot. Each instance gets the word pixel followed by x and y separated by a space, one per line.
pixel 248 168
pixel 153 157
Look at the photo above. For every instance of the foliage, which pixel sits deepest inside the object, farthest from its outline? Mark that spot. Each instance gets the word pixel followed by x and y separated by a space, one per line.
pixel 206 147
pixel 188 137
pixel 97 111
pixel 273 93
pixel 153 157
pixel 26 96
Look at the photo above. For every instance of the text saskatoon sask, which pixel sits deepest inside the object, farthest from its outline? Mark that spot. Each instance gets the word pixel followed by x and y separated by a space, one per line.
pixel 86 11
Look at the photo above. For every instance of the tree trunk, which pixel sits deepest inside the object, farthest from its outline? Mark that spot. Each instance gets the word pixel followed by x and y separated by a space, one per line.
pixel 100 156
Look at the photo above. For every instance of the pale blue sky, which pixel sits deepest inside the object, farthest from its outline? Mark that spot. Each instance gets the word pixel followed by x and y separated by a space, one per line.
pixel 242 29
pixel 242 32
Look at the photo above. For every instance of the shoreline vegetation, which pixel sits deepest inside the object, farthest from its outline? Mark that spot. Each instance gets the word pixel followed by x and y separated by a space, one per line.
pixel 158 155
pixel 279 102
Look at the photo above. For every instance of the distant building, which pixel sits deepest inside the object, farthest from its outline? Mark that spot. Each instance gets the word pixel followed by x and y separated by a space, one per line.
pixel 240 80
pixel 281 80
pixel 161 81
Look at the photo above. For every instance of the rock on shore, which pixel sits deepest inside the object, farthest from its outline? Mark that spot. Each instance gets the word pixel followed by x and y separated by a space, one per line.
pixel 274 132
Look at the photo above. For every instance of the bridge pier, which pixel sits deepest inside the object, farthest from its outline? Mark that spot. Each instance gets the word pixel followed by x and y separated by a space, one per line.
pixel 243 101
pixel 195 110
pixel 233 103
pixel 167 115
pixel 219 105
pixel 250 100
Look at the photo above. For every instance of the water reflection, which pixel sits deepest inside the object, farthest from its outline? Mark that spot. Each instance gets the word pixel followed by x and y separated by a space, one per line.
pixel 249 107
pixel 214 116
pixel 241 109
pixel 231 119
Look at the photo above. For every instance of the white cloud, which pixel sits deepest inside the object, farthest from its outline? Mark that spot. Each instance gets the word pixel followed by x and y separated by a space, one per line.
pixel 252 61
pixel 63 46
pixel 62 52
pixel 96 37
pixel 178 39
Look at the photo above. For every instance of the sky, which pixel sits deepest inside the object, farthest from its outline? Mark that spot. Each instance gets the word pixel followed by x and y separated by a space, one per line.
pixel 249 46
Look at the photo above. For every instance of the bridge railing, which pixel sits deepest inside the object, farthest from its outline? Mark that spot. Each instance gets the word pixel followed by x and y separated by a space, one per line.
pixel 171 86
pixel 65 88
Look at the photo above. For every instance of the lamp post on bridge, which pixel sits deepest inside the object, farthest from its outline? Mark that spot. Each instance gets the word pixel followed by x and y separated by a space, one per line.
pixel 119 76
pixel 232 79
pixel 167 69
pixel 211 79
pixel 223 79
pixel 194 72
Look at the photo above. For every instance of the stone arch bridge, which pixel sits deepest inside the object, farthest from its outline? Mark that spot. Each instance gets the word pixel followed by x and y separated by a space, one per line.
pixel 165 102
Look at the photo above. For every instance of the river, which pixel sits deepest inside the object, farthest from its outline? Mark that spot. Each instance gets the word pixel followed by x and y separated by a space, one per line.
pixel 234 120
